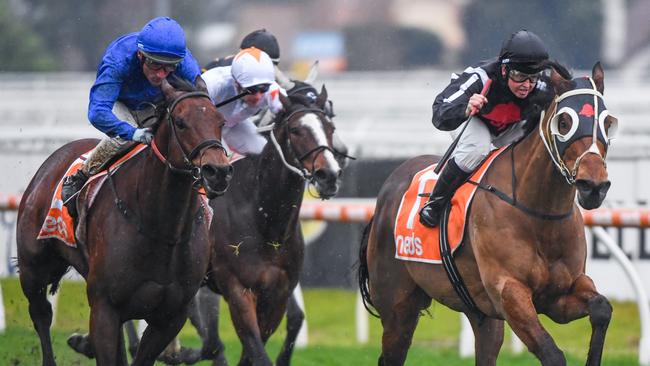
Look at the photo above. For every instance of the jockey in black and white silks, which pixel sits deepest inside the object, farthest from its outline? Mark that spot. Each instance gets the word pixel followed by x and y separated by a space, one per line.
pixel 519 89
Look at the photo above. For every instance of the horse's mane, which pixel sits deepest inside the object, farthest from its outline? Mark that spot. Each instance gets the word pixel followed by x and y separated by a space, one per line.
pixel 541 101
pixel 180 83
pixel 302 93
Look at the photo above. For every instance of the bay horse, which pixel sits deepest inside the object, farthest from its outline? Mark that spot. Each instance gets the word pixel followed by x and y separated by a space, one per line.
pixel 517 259
pixel 256 235
pixel 146 247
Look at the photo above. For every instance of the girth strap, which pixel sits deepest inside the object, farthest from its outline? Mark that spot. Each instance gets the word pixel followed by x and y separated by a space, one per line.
pixel 452 271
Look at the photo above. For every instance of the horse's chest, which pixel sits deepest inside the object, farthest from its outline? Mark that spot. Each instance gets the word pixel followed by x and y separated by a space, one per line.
pixel 552 279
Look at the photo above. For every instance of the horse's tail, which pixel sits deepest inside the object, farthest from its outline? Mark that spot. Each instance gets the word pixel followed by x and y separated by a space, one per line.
pixel 362 273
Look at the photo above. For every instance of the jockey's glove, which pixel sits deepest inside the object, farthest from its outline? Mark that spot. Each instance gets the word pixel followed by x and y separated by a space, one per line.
pixel 143 135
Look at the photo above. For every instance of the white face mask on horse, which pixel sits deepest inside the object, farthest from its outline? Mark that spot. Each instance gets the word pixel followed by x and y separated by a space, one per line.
pixel 578 113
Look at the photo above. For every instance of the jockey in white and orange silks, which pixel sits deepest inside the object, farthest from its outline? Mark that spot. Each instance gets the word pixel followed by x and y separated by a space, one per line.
pixel 253 74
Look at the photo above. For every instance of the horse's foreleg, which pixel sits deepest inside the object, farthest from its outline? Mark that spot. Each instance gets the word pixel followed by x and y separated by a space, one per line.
pixel 105 330
pixel 156 337
pixel 582 301
pixel 488 339
pixel 132 336
pixel 204 315
pixel 295 317
pixel 517 304
pixel 243 312
pixel 40 310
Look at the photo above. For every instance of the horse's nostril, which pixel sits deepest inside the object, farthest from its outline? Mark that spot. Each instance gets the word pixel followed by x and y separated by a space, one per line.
pixel 604 187
pixel 584 185
pixel 217 172
pixel 320 174
pixel 208 171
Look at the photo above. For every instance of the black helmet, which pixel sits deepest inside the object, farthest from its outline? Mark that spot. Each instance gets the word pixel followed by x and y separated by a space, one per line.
pixel 263 40
pixel 524 51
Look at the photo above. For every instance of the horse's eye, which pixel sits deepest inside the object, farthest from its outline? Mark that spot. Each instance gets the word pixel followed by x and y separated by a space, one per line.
pixel 180 123
pixel 564 125
pixel 295 131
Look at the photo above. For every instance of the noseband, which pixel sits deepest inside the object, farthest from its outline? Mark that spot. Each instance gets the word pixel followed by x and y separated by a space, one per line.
pixel 298 168
pixel 189 168
pixel 549 136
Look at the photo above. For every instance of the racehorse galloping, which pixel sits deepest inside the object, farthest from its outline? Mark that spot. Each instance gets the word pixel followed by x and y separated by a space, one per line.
pixel 516 260
pixel 258 244
pixel 146 247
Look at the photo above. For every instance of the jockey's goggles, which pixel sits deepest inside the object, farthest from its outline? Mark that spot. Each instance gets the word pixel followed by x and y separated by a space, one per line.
pixel 520 77
pixel 156 66
pixel 259 88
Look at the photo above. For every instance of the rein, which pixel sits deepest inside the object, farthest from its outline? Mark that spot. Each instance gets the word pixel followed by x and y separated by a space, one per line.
pixel 193 171
pixel 131 216
pixel 512 201
pixel 189 169
pixel 300 170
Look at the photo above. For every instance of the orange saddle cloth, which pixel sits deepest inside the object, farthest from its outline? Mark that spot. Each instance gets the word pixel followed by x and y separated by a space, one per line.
pixel 419 243
pixel 58 223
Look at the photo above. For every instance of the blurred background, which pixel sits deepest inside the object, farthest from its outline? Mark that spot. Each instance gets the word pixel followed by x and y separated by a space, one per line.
pixel 383 62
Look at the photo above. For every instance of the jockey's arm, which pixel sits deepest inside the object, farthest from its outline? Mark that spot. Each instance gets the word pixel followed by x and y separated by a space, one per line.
pixel 449 107
pixel 103 95
pixel 273 97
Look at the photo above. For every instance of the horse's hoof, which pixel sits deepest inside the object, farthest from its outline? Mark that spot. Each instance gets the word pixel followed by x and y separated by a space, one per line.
pixel 220 360
pixel 80 343
pixel 186 356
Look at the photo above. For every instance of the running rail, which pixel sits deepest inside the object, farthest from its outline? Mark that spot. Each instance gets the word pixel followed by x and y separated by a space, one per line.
pixel 360 210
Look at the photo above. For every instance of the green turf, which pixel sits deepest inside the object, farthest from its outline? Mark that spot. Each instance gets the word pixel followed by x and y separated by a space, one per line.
pixel 332 339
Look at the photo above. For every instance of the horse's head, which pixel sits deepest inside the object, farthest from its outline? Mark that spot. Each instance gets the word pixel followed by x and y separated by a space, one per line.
pixel 191 136
pixel 577 130
pixel 304 132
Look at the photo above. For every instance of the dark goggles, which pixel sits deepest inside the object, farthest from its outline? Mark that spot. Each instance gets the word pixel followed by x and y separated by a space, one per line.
pixel 260 88
pixel 156 66
pixel 520 77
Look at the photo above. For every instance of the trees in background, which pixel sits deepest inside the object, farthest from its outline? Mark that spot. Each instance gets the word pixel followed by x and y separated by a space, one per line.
pixel 572 30
pixel 22 48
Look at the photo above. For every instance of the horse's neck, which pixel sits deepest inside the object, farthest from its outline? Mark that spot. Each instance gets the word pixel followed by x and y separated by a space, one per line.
pixel 166 200
pixel 539 184
pixel 278 197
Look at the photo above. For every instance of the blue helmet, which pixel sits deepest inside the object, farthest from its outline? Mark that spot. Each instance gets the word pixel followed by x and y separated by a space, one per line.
pixel 162 40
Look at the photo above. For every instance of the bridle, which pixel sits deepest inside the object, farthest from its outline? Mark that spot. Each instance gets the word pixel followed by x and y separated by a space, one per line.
pixel 298 166
pixel 551 136
pixel 189 168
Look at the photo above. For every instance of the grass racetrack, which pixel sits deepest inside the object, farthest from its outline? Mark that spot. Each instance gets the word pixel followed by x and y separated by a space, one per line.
pixel 332 336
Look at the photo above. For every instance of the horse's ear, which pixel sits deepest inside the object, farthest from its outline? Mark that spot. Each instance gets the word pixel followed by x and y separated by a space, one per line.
pixel 313 73
pixel 322 98
pixel 283 80
pixel 167 89
pixel 598 75
pixel 200 84
pixel 559 83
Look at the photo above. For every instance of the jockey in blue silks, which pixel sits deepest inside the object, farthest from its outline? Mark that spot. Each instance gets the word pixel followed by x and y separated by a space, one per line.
pixel 129 78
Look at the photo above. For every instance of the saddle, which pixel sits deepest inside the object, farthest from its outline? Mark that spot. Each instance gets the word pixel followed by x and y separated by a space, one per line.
pixel 419 243
pixel 59 223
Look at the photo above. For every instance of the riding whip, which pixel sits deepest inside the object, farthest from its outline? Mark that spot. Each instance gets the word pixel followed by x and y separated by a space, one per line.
pixel 238 96
pixel 451 148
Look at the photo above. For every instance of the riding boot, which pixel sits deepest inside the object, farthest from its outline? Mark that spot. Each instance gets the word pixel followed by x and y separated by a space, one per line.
pixel 449 180
pixel 72 184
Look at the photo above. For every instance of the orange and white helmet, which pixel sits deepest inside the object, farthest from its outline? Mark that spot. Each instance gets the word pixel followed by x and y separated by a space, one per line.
pixel 252 66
